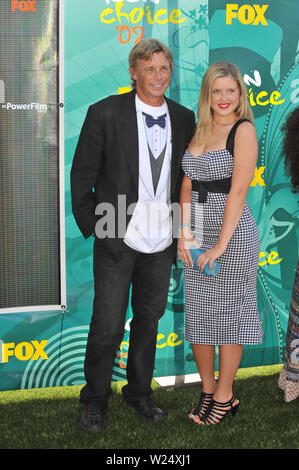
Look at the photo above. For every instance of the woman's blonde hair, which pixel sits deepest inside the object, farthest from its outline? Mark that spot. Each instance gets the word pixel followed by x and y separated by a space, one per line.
pixel 204 112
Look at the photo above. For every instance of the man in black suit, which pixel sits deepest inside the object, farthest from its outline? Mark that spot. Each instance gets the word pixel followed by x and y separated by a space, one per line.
pixel 130 145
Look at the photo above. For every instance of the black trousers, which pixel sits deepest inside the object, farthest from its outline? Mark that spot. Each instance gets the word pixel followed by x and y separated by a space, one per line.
pixel 149 275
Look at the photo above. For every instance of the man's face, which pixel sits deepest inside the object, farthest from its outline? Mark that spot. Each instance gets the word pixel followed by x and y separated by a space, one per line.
pixel 152 78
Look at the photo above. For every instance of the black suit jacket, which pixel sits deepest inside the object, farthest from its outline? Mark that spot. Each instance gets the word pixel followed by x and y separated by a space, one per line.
pixel 106 161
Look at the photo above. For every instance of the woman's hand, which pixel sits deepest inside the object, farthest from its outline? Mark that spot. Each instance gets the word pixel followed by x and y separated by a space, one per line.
pixel 185 241
pixel 209 256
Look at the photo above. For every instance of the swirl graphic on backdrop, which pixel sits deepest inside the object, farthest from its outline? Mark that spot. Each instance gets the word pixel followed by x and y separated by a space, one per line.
pixel 65 363
pixel 175 298
pixel 66 352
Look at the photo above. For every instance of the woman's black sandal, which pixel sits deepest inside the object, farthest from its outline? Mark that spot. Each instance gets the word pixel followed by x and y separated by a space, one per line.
pixel 202 406
pixel 216 411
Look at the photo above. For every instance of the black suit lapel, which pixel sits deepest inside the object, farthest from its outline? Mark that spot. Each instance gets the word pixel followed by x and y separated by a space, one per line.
pixel 129 135
pixel 176 143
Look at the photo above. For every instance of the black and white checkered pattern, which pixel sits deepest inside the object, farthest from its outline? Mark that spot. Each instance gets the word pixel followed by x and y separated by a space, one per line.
pixel 221 310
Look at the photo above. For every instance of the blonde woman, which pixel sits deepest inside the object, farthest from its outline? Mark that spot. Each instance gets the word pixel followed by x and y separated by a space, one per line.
pixel 222 310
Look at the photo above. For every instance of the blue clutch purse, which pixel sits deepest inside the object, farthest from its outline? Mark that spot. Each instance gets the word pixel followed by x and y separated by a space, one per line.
pixel 195 252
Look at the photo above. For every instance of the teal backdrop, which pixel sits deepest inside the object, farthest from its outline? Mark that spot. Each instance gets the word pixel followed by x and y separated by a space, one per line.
pixel 98 36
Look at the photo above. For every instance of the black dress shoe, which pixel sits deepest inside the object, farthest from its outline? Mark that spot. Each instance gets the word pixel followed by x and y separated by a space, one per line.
pixel 148 409
pixel 92 418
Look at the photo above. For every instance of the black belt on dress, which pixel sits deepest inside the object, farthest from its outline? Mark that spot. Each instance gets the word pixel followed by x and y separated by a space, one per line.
pixel 215 186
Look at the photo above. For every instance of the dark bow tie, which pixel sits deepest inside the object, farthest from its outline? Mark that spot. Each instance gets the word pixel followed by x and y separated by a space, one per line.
pixel 150 121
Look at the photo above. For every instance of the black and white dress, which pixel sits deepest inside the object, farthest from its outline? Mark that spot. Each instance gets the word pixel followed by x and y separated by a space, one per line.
pixel 223 309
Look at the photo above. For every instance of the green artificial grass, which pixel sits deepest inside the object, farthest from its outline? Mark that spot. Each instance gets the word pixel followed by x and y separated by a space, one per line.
pixel 48 419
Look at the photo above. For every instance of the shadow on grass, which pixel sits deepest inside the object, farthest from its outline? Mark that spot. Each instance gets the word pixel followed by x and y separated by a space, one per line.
pixel 48 419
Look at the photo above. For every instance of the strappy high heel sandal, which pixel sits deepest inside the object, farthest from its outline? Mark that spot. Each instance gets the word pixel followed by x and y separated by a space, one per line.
pixel 201 407
pixel 217 411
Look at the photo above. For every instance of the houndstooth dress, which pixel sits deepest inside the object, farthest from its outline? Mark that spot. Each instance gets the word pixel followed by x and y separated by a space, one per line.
pixel 221 310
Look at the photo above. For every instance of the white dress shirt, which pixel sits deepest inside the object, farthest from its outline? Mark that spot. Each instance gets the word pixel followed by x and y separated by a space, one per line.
pixel 150 228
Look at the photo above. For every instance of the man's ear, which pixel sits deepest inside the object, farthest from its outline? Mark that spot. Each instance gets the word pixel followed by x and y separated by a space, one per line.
pixel 132 73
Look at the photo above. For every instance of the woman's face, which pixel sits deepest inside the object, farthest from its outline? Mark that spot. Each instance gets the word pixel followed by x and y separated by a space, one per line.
pixel 225 96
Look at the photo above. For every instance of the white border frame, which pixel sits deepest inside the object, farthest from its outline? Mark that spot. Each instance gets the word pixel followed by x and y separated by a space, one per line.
pixel 63 297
